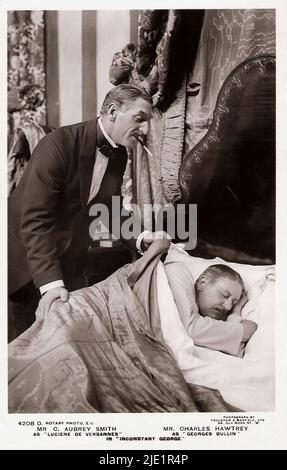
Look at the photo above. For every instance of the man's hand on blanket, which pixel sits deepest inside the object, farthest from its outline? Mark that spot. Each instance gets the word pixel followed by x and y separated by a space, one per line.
pixel 150 237
pixel 48 298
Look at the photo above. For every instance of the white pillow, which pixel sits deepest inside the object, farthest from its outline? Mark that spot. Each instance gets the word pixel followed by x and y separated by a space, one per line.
pixel 249 273
pixel 252 275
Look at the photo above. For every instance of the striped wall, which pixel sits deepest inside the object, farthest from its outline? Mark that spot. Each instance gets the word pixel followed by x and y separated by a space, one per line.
pixel 79 50
pixel 70 66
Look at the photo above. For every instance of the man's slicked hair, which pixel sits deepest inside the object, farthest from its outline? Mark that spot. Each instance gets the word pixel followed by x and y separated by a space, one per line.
pixel 216 271
pixel 122 93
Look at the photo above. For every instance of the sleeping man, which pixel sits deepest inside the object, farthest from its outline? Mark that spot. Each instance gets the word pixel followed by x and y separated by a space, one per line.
pixel 210 308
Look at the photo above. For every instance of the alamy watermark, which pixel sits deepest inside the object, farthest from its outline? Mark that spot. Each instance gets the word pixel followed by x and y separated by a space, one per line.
pixel 179 221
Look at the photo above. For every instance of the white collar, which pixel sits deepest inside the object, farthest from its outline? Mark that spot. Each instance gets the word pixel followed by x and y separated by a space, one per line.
pixel 105 133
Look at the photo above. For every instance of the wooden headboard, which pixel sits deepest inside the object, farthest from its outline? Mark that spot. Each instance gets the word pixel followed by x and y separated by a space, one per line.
pixel 230 173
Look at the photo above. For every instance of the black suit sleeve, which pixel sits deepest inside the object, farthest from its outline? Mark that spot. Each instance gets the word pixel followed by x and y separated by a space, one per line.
pixel 40 200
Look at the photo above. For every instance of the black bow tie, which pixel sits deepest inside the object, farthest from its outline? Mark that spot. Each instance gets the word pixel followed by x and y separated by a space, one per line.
pixel 105 147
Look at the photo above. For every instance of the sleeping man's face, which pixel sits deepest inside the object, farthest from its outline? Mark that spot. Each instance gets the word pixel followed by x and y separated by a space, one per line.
pixel 216 297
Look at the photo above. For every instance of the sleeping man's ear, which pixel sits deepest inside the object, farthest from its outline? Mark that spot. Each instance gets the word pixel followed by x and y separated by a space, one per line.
pixel 202 282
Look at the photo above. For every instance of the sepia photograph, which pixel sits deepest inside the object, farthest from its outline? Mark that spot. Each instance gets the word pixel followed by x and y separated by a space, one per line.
pixel 141 223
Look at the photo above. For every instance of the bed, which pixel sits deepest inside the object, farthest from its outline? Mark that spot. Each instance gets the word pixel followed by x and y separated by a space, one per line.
pixel 119 346
pixel 248 381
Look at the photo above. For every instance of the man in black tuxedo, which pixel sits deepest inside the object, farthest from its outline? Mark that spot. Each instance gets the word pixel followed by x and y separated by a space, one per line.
pixel 70 169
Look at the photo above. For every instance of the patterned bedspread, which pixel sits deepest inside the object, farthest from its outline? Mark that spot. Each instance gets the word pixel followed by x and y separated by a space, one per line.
pixel 103 351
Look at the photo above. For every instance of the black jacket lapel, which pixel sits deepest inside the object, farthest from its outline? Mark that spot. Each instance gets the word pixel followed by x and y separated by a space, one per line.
pixel 87 159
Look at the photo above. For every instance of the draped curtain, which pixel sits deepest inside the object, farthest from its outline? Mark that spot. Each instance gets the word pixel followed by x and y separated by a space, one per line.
pixel 26 69
pixel 228 38
pixel 160 65
pixel 182 59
